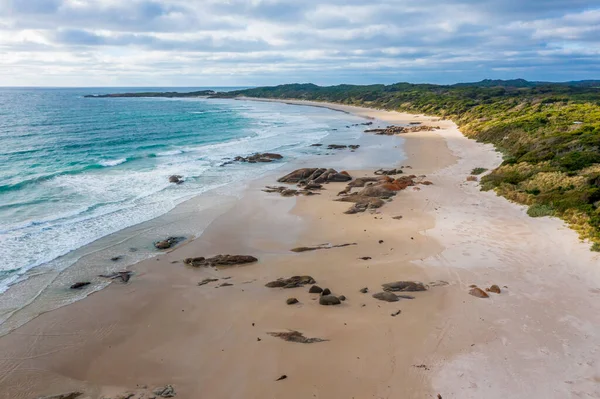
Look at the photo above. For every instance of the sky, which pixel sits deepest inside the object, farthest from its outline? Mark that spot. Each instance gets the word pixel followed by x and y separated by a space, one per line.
pixel 266 42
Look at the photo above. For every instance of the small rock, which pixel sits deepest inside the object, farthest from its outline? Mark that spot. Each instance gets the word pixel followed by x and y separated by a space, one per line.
pixel 386 296
pixel 364 290
pixel 397 217
pixel 80 285
pixel 494 288
pixel 225 285
pixel 168 243
pixel 207 280
pixel 381 241
pixel 116 258
pixel 478 292
pixel 283 377
pixel 396 313
pixel 342 298
pixel 329 300
pixel 366 258
pixel 326 291
pixel 291 301
pixel 315 289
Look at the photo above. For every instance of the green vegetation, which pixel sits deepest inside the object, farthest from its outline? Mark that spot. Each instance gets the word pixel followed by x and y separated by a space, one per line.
pixel 540 210
pixel 478 171
pixel 549 134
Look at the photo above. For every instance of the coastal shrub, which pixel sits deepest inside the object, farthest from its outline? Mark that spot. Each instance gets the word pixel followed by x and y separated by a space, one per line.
pixel 478 171
pixel 540 210
pixel 595 247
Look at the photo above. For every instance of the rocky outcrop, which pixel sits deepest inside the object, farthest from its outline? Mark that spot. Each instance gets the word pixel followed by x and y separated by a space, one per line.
pixel 292 282
pixel 220 260
pixel 392 130
pixel 388 172
pixel 374 191
pixel 259 157
pixel 315 175
pixel 168 243
pixel 406 286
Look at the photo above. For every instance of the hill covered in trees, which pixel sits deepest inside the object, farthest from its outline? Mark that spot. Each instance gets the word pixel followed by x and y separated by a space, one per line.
pixel 549 134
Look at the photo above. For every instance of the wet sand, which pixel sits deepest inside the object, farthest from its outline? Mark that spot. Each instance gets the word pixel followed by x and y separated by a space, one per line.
pixel 538 338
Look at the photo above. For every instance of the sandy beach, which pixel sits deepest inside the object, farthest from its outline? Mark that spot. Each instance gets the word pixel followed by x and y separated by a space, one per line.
pixel 538 338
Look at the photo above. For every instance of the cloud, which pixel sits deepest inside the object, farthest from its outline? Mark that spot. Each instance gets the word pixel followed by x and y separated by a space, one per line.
pixel 207 42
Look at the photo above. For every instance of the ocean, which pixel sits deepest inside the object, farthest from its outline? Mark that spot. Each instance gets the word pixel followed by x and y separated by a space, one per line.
pixel 75 171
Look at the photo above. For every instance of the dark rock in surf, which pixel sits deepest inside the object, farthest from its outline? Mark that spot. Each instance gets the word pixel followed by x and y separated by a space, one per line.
pixel 80 285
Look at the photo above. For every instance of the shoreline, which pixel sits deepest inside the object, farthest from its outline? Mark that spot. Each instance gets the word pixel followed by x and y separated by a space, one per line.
pixel 158 330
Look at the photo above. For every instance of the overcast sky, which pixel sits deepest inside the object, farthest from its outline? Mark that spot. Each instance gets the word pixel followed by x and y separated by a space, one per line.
pixel 258 42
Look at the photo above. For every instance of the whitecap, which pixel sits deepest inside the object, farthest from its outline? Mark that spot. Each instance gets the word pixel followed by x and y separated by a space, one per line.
pixel 113 162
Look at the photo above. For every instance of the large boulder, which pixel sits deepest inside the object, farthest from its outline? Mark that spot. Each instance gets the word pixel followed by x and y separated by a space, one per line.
pixel 176 179
pixel 329 300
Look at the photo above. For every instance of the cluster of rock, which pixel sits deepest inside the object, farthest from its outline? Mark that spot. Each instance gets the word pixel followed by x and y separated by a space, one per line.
pixel 479 293
pixel 259 157
pixel 220 260
pixel 388 295
pixel 307 176
pixel 388 172
pixel 392 130
pixel 374 191
pixel 168 243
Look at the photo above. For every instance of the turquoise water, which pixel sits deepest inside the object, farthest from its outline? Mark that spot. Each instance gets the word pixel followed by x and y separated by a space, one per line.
pixel 74 169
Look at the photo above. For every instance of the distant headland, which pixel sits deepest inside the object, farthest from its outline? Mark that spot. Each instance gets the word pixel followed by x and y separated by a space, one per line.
pixel 168 94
